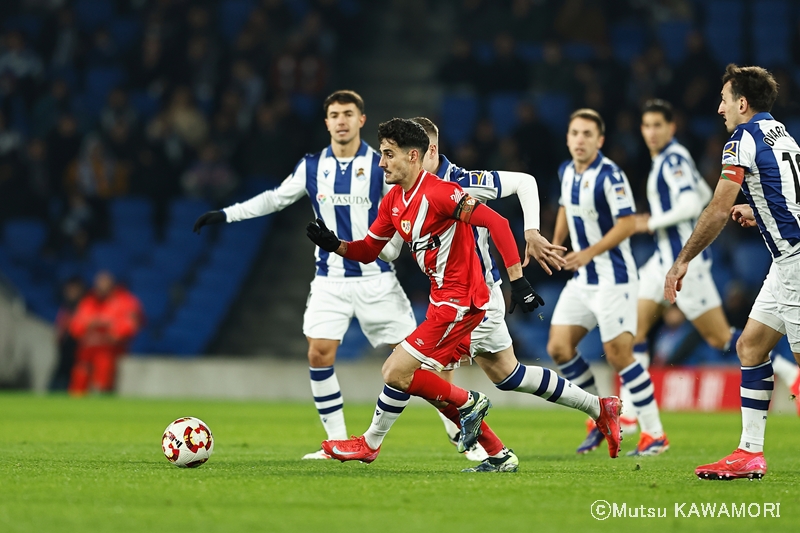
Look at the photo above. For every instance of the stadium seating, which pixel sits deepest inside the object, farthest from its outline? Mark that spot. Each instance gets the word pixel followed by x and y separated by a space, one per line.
pixel 554 110
pixel 503 112
pixel 24 238
pixel 627 41
pixel 672 36
pixel 459 114
pixel 724 30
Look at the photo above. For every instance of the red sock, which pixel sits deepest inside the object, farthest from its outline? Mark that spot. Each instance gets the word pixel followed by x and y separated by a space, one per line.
pixel 431 387
pixel 488 439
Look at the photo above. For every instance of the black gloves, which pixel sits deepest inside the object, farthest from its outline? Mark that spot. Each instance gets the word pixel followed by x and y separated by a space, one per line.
pixel 212 217
pixel 318 232
pixel 522 294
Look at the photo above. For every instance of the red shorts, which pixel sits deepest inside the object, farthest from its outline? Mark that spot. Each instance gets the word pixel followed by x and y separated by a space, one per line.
pixel 443 338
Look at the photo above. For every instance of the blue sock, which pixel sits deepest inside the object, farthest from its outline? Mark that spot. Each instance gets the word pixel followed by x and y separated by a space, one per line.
pixel 328 401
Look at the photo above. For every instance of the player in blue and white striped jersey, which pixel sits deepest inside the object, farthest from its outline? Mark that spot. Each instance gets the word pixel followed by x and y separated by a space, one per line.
pixel 345 186
pixel 676 194
pixel 597 211
pixel 490 342
pixel 763 161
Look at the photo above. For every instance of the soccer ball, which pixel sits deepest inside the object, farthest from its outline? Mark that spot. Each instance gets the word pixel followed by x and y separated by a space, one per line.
pixel 187 442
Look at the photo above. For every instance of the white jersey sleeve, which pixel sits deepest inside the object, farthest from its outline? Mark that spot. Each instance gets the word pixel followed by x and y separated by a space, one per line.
pixel 288 192
pixel 679 176
pixel 527 191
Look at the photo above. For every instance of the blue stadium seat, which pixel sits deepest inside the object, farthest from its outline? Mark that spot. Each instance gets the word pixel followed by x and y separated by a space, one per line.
pixel 156 305
pixel 353 344
pixel 305 106
pixel 672 36
pixel 233 15
pixel 182 339
pixel 100 81
pixel 483 52
pixel 134 208
pixel 642 247
pixel 144 279
pixel 503 112
pixel 87 108
pixel 459 113
pixel 138 241
pixel 89 14
pixel 704 127
pixel 554 110
pixel 793 127
pixel 24 238
pixel 627 41
pixel 578 52
pixel 125 31
pixel 30 25
pixel 41 300
pixel 751 261
pixel 591 347
pixel 771 49
pixel 724 30
pixel 186 210
pixel 530 52
pixel 144 104
pixel 530 340
pixel 111 256
pixel 172 263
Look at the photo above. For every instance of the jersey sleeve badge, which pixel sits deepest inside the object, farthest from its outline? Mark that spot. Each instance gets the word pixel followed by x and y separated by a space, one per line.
pixel 730 153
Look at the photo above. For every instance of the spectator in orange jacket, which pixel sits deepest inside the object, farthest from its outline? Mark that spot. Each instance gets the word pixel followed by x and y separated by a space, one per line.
pixel 106 319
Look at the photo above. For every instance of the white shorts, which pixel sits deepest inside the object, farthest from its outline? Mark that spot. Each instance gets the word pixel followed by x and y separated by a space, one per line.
pixel 778 302
pixel 698 294
pixel 491 335
pixel 378 302
pixel 612 308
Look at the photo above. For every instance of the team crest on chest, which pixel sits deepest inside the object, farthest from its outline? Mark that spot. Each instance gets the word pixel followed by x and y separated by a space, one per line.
pixel 360 174
pixel 405 225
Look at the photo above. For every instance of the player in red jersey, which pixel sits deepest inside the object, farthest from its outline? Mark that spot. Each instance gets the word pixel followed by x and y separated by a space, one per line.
pixel 433 217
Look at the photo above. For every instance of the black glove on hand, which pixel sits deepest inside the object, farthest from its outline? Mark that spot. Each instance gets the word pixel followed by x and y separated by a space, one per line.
pixel 522 294
pixel 212 217
pixel 318 232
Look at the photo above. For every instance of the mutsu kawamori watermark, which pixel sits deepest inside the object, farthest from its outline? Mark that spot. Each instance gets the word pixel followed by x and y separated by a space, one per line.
pixel 603 510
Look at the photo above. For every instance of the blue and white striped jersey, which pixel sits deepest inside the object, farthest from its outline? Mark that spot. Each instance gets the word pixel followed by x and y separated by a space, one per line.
pixel 771 159
pixel 672 174
pixel 482 185
pixel 593 201
pixel 345 194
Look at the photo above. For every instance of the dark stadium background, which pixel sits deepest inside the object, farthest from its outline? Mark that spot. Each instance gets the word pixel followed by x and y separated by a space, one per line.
pixel 121 121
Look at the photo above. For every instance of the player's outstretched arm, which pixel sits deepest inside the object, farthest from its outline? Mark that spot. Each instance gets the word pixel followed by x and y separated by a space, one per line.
pixel 209 217
pixel 363 251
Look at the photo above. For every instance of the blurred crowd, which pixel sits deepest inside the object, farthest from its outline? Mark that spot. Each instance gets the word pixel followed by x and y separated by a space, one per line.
pixel 156 98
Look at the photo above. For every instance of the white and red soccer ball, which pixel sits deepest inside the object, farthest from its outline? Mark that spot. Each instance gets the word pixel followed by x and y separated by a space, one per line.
pixel 187 442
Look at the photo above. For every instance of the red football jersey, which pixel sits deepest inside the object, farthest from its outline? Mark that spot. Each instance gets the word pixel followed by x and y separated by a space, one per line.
pixel 429 218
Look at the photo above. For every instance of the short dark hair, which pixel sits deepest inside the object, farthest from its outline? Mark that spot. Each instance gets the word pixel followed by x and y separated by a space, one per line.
pixel 755 84
pixel 405 133
pixel 427 125
pixel 344 96
pixel 657 105
pixel 589 114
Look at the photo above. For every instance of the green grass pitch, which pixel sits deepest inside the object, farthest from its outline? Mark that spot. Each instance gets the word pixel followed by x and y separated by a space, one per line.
pixel 96 465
